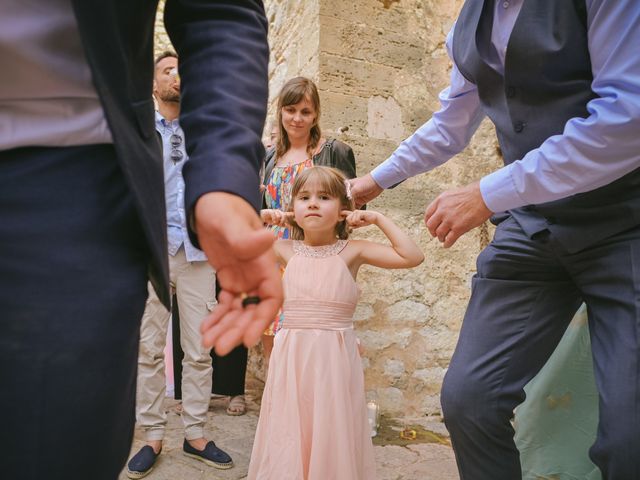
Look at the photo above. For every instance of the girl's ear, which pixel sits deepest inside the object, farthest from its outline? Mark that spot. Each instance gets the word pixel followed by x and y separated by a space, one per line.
pixel 291 218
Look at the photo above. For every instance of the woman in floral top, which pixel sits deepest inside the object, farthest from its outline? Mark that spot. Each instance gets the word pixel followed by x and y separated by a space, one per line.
pixel 300 145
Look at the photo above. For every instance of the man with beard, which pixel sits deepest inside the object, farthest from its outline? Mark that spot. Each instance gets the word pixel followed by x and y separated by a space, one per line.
pixel 193 281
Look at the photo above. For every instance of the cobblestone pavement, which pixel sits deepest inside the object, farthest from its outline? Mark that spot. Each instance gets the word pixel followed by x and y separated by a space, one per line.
pixel 412 461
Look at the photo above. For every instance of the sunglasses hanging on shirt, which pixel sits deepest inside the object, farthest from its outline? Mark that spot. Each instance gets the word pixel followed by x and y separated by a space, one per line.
pixel 176 154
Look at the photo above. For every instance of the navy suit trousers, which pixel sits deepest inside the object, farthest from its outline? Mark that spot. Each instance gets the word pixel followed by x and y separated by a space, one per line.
pixel 523 297
pixel 73 268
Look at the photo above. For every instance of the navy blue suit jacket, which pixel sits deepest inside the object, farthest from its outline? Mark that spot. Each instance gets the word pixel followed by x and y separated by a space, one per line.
pixel 223 53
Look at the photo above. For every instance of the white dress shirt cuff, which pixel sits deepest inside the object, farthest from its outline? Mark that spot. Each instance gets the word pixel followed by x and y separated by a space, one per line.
pixel 499 191
pixel 388 174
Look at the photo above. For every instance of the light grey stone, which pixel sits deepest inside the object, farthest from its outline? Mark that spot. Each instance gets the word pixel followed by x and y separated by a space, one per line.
pixel 407 311
pixel 394 368
pixel 384 118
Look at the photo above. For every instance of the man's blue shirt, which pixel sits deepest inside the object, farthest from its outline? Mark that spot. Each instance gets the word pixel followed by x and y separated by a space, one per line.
pixel 174 191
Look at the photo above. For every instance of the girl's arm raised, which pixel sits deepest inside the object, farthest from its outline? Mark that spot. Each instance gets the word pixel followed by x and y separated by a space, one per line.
pixel 403 252
pixel 282 248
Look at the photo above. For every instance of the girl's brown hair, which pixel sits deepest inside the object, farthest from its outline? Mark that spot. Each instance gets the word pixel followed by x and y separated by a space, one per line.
pixel 294 91
pixel 332 181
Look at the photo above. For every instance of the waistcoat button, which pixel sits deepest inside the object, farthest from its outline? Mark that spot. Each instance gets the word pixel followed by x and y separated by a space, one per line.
pixel 518 127
pixel 511 92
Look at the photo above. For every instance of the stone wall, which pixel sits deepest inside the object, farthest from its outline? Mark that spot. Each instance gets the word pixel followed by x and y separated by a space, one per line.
pixel 379 66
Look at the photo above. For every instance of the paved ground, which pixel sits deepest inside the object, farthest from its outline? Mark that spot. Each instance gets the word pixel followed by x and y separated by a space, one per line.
pixel 429 457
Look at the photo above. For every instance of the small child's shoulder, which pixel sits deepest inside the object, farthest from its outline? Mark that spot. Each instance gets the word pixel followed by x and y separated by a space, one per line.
pixel 285 243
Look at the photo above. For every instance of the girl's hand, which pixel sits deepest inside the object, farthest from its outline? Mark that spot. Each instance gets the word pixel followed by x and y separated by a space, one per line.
pixel 360 218
pixel 276 217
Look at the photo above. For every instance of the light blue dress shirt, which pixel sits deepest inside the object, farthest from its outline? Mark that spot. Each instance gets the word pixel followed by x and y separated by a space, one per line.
pixel 591 152
pixel 174 192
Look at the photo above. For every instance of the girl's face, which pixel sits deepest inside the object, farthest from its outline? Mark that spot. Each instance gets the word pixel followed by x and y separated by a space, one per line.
pixel 299 118
pixel 315 209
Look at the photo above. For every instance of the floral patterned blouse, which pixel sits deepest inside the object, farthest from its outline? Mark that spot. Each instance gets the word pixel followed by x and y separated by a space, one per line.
pixel 278 190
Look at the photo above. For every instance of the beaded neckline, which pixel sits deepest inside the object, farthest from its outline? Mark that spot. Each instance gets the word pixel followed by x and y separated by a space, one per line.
pixel 318 252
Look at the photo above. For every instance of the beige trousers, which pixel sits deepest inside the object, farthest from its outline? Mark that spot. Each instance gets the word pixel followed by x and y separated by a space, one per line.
pixel 194 285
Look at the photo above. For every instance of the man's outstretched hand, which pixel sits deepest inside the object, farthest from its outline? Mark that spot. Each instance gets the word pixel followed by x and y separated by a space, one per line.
pixel 240 249
pixel 455 212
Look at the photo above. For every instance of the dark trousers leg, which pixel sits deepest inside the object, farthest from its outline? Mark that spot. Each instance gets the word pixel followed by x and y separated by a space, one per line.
pixel 73 272
pixel 178 354
pixel 609 277
pixel 521 303
pixel 228 372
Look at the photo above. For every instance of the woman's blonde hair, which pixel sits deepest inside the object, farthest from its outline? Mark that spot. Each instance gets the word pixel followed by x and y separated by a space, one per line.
pixel 294 91
pixel 333 182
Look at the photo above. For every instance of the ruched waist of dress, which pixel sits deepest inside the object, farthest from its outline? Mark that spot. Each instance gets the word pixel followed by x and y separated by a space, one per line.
pixel 318 314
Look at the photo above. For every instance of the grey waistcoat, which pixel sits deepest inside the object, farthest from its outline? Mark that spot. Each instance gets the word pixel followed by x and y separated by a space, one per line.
pixel 547 81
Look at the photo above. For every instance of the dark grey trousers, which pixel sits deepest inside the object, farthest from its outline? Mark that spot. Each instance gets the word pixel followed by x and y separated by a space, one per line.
pixel 524 295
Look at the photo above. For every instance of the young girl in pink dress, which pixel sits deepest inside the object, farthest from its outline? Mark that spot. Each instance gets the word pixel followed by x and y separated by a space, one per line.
pixel 313 421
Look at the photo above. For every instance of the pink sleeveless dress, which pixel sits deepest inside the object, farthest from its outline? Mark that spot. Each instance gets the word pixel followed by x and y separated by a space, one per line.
pixel 313 421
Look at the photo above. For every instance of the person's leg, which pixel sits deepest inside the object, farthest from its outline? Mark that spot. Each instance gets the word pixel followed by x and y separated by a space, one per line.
pixel 195 284
pixel 74 283
pixel 229 372
pixel 151 386
pixel 609 277
pixel 151 390
pixel 178 354
pixel 520 305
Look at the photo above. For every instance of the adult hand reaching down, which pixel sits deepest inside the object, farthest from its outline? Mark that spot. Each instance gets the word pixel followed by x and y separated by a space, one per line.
pixel 240 249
